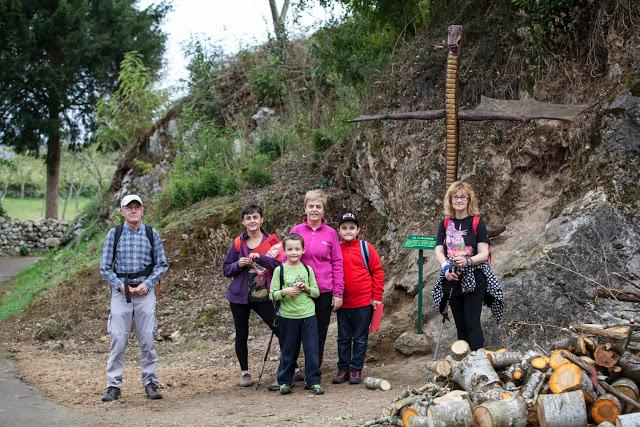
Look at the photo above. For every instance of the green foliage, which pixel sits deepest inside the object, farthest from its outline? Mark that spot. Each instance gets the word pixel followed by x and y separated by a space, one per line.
pixel 272 145
pixel 354 50
pixel 25 251
pixel 401 15
pixel 206 61
pixel 320 141
pixel 256 173
pixel 204 164
pixel 128 113
pixel 552 20
pixel 268 83
pixel 143 166
pixel 85 42
pixel 3 212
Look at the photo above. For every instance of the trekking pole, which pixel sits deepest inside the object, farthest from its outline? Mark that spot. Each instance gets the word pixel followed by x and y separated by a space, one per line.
pixel 264 361
pixel 276 324
pixel 445 317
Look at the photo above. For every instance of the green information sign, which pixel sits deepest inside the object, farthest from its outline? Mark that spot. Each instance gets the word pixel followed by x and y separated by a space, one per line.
pixel 419 242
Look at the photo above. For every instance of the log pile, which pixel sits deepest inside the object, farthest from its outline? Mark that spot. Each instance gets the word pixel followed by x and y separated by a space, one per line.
pixel 591 379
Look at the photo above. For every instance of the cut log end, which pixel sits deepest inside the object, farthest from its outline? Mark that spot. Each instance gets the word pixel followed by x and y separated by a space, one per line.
pixel 377 384
pixel 606 408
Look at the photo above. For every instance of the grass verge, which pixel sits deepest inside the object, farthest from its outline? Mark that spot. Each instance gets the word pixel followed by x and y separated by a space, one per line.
pixel 37 279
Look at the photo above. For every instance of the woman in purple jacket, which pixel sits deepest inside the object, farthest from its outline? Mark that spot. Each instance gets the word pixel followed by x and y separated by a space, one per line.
pixel 324 256
pixel 250 275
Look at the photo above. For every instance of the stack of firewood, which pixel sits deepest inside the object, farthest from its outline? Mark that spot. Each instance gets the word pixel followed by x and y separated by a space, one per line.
pixel 590 377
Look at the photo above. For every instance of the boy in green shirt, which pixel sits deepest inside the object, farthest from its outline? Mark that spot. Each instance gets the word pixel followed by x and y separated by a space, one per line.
pixel 294 285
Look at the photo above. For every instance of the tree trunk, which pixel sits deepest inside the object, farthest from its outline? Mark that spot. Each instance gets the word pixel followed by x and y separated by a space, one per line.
pixel 53 169
pixel 630 364
pixel 475 373
pixel 531 385
pixel 606 408
pixel 499 360
pixel 453 414
pixel 562 410
pixel 279 25
pixel 628 420
pixel 501 413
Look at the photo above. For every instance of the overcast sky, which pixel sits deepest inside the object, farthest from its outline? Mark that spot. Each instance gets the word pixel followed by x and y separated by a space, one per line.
pixel 231 24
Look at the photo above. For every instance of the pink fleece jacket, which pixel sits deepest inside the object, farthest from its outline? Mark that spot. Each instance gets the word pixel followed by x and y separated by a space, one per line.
pixel 322 253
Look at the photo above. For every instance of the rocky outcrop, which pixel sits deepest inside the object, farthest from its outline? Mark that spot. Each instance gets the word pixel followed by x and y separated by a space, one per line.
pixel 568 193
pixel 18 237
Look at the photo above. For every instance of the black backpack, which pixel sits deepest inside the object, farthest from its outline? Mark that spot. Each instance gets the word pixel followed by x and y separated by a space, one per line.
pixel 147 271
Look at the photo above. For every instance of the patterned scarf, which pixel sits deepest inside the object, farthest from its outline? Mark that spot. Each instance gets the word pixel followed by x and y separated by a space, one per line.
pixel 494 298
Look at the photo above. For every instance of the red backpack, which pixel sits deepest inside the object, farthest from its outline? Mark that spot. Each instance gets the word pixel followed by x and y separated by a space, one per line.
pixel 474 226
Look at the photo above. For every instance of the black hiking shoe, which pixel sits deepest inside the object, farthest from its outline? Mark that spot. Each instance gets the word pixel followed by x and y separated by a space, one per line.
pixel 152 391
pixel 273 387
pixel 112 393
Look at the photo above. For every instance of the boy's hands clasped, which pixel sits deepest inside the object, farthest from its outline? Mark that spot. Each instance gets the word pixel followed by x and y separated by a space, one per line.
pixel 296 289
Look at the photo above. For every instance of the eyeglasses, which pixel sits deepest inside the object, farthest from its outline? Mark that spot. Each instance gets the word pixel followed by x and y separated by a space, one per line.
pixel 133 208
pixel 459 197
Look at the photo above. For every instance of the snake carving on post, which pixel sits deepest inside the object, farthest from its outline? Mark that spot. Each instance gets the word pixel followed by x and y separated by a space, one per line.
pixel 451 102
pixel 488 109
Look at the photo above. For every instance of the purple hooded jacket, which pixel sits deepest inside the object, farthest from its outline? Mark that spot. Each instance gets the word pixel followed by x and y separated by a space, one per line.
pixel 238 290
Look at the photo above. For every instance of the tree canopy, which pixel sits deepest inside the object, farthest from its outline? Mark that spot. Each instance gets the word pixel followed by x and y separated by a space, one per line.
pixel 57 57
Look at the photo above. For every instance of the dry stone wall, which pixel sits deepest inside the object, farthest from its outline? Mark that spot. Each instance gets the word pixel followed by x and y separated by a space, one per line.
pixel 38 235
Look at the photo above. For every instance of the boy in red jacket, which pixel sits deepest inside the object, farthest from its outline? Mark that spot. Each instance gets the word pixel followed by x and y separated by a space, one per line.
pixel 363 288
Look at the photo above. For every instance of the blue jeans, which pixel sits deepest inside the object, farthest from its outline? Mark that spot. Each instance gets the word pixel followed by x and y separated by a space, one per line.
pixel 292 333
pixel 353 337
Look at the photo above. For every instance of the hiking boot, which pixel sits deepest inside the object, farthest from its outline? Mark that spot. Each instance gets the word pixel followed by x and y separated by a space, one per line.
pixel 285 389
pixel 112 393
pixel 355 377
pixel 298 375
pixel 245 380
pixel 316 389
pixel 152 391
pixel 273 387
pixel 340 377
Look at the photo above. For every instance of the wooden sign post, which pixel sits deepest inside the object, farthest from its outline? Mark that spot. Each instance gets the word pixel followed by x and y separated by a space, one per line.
pixel 421 243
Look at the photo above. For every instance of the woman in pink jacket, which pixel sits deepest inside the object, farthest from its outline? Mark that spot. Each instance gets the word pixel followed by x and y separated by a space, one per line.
pixel 324 256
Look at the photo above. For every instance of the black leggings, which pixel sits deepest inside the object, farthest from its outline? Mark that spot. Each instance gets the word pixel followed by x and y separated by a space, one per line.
pixel 241 314
pixel 323 314
pixel 466 309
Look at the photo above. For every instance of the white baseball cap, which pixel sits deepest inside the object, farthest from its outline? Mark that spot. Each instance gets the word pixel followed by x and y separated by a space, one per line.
pixel 130 198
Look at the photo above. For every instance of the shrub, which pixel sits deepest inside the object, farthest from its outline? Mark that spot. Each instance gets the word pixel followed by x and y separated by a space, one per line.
pixel 320 141
pixel 268 82
pixel 355 50
pixel 256 173
pixel 271 145
pixel 552 20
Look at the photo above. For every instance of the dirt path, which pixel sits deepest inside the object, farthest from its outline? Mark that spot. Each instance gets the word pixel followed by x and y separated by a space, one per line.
pixel 199 383
pixel 20 403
